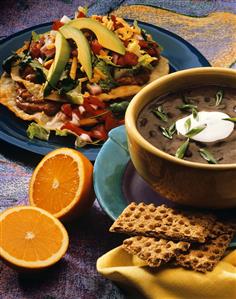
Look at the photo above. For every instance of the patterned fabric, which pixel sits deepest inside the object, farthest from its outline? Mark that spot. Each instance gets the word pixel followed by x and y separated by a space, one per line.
pixel 75 276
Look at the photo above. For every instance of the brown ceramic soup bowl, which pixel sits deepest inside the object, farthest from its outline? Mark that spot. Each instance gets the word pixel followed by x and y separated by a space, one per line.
pixel 181 181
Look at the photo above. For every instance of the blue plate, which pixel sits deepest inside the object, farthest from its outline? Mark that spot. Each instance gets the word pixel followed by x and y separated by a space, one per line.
pixel 116 183
pixel 180 53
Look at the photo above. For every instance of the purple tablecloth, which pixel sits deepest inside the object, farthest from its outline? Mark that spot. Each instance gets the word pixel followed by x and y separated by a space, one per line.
pixel 75 276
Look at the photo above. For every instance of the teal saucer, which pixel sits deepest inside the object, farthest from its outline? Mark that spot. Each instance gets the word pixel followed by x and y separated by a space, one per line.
pixel 116 183
pixel 109 168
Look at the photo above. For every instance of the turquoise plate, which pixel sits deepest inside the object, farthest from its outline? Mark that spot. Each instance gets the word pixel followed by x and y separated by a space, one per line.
pixel 116 183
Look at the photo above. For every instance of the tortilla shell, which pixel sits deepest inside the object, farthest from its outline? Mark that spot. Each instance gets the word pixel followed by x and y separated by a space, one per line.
pixel 8 98
pixel 8 94
pixel 35 89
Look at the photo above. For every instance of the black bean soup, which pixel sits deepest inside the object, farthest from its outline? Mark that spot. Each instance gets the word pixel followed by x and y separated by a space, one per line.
pixel 157 124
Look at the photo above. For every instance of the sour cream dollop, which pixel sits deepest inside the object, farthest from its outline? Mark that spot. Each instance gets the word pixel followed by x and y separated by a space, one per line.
pixel 216 127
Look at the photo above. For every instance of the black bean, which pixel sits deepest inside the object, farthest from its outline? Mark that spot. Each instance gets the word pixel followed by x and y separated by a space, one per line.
pixel 200 144
pixel 207 99
pixel 220 143
pixel 188 153
pixel 152 133
pixel 143 122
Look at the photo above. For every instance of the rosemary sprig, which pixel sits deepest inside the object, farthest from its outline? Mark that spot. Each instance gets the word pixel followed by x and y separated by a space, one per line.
pixel 219 97
pixel 168 132
pixel 195 113
pixel 187 107
pixel 207 156
pixel 159 112
pixel 195 131
pixel 187 124
pixel 233 119
pixel 180 153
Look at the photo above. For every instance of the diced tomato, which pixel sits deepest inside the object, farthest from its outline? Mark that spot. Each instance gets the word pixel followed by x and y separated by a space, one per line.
pixel 113 18
pixel 48 52
pixel 129 59
pixel 73 128
pixel 116 23
pixel 57 24
pixel 35 50
pixel 81 15
pixel 95 101
pixel 89 108
pixel 96 47
pixel 67 109
pixel 125 42
pixel 153 52
pixel 101 113
pixel 110 122
pixel 99 18
pixel 150 47
pixel 77 113
pixel 99 132
pixel 143 44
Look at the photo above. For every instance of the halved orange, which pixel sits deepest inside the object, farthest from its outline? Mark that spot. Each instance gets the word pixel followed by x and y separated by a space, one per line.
pixel 31 238
pixel 62 184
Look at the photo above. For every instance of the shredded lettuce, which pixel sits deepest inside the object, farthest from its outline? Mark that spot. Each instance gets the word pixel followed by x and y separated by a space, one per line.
pixel 103 67
pixel 119 109
pixel 66 85
pixel 108 83
pixel 107 60
pixel 79 142
pixel 136 26
pixel 145 61
pixel 118 73
pixel 36 131
pixel 75 95
pixel 35 36
pixel 61 132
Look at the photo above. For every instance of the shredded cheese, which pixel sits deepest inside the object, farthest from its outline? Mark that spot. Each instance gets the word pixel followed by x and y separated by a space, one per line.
pixel 84 79
pixel 134 47
pixel 48 63
pixel 124 33
pixel 73 68
pixel 98 75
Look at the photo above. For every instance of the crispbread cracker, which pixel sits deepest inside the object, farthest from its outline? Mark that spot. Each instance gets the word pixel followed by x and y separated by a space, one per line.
pixel 220 228
pixel 204 257
pixel 163 222
pixel 153 251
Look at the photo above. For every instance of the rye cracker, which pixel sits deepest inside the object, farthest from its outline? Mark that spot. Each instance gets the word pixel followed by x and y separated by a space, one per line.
pixel 220 228
pixel 204 257
pixel 163 222
pixel 153 251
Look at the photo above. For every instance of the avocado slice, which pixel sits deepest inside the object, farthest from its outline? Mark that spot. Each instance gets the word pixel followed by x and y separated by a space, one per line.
pixel 106 37
pixel 84 54
pixel 61 58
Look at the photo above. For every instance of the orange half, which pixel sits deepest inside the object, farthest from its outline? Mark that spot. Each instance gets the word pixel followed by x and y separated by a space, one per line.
pixel 31 237
pixel 62 183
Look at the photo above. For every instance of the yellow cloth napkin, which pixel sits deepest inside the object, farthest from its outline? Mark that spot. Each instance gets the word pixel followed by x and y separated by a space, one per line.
pixel 169 283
